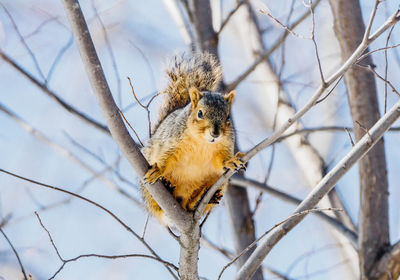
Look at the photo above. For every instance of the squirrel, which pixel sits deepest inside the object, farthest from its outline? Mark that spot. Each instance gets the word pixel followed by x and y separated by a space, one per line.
pixel 194 141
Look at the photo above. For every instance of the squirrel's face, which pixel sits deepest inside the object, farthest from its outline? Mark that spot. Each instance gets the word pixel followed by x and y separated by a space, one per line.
pixel 210 115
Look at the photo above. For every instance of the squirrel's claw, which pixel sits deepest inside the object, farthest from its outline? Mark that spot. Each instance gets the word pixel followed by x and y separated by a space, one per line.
pixel 153 174
pixel 216 197
pixel 171 188
pixel 235 163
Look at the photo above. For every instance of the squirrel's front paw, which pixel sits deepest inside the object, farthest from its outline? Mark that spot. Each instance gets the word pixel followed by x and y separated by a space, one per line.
pixel 153 174
pixel 235 163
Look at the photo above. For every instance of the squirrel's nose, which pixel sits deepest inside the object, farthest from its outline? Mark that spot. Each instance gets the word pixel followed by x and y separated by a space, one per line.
pixel 214 134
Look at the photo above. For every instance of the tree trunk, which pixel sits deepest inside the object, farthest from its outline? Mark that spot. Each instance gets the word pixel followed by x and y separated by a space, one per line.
pixel 373 218
pixel 200 16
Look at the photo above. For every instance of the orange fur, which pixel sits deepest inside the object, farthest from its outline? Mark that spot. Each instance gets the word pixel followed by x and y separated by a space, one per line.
pixel 194 167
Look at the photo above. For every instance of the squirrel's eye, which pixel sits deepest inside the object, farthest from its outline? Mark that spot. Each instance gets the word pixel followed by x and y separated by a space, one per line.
pixel 200 114
pixel 228 118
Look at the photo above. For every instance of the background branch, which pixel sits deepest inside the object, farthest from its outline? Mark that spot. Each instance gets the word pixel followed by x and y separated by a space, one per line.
pixel 15 253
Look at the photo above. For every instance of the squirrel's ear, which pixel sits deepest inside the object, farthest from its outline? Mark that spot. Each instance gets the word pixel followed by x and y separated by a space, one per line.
pixel 195 96
pixel 229 97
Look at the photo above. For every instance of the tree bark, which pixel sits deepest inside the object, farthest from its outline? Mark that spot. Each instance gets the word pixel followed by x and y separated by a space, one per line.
pixel 373 225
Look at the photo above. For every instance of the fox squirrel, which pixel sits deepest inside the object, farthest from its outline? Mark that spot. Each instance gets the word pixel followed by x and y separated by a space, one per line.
pixel 194 140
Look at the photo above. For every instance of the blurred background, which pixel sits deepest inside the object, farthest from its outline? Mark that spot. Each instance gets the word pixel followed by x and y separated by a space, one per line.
pixel 41 140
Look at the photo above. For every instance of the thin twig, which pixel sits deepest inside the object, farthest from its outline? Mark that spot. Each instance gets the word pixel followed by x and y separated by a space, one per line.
pixel 147 61
pixel 386 68
pixel 141 105
pixel 58 57
pixel 377 50
pixel 228 17
pixel 351 139
pixel 15 253
pixel 330 91
pixel 370 68
pixel 145 225
pixel 111 53
pixel 134 131
pixel 287 28
pixel 40 26
pixel 31 54
pixel 315 42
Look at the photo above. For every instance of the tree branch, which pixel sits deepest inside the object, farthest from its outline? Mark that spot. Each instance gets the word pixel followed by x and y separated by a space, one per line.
pixel 335 223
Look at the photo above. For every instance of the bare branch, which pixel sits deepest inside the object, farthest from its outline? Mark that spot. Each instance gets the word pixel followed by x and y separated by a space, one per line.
pixel 386 68
pixel 384 79
pixel 15 253
pixel 377 50
pixel 315 42
pixel 335 223
pixel 66 261
pixel 371 20
pixel 52 94
pixel 287 28
pixel 263 56
pixel 325 129
pixel 64 152
pixel 231 13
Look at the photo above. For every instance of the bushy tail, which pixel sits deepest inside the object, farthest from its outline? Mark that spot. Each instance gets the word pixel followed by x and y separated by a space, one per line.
pixel 200 70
